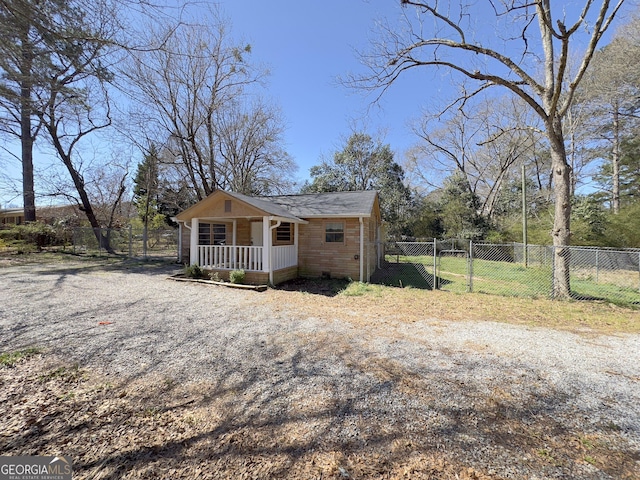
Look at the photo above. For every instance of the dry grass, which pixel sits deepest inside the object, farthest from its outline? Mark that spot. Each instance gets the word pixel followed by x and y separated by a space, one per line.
pixel 156 428
pixel 374 303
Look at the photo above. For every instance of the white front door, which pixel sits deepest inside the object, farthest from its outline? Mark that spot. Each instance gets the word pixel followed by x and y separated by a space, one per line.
pixel 256 234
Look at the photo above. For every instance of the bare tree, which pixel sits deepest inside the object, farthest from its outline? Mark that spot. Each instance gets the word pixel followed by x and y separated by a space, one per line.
pixel 193 92
pixel 487 146
pixel 252 160
pixel 74 103
pixel 527 52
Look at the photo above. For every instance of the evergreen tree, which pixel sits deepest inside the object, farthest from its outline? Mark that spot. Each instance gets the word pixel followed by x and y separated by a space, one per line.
pixel 459 208
pixel 146 190
pixel 366 164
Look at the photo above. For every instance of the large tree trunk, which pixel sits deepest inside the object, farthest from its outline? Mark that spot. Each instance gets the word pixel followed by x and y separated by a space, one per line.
pixel 26 139
pixel 561 223
pixel 28 191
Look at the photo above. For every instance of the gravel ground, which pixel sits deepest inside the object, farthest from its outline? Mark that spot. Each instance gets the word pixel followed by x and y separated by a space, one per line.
pixel 492 399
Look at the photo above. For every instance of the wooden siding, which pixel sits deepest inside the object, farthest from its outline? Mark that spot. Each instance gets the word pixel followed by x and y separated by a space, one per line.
pixel 214 206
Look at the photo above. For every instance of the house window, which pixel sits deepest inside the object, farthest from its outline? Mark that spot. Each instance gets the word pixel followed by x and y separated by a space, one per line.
pixel 212 233
pixel 283 232
pixel 334 232
pixel 227 206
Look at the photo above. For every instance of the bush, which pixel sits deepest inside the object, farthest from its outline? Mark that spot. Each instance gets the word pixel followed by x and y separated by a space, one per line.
pixel 236 276
pixel 31 236
pixel 193 271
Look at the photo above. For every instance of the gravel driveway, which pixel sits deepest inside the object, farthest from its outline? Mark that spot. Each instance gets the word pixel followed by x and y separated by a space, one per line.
pixel 506 401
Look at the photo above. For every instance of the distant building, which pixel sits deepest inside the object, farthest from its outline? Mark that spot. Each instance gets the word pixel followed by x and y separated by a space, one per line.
pixel 70 214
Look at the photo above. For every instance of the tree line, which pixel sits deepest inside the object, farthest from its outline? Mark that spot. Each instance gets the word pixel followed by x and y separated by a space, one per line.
pixel 539 92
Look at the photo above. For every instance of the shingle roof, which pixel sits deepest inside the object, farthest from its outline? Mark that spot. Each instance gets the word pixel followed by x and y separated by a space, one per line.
pixel 263 203
pixel 296 208
pixel 338 204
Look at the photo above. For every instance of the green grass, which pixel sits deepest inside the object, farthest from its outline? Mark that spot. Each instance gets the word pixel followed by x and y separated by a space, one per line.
pixel 508 279
pixel 358 289
pixel 9 359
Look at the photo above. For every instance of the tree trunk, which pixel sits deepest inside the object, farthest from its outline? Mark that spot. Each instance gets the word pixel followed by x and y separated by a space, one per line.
pixel 561 224
pixel 26 139
pixel 28 192
pixel 615 161
pixel 78 181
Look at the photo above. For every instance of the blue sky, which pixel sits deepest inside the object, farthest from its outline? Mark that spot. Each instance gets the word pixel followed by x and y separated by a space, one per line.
pixel 307 45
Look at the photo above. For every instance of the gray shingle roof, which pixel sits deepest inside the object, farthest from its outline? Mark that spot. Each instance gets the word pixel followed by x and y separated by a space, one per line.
pixel 338 204
pixel 262 203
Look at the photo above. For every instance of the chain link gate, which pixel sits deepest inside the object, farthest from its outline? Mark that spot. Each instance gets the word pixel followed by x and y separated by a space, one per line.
pixel 407 264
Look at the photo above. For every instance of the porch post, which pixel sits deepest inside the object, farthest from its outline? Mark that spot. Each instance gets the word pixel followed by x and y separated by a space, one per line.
pixel 266 244
pixel 235 230
pixel 295 240
pixel 193 254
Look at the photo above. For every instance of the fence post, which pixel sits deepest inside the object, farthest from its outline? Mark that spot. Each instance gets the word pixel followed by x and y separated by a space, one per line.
pixel 130 242
pixel 553 272
pixel 470 267
pixel 597 266
pixel 435 260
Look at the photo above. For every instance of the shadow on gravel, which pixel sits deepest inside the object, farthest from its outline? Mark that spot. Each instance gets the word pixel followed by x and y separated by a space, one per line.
pixel 109 264
pixel 321 411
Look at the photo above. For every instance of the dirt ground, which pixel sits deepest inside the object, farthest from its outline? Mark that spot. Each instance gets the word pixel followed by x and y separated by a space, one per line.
pixel 155 427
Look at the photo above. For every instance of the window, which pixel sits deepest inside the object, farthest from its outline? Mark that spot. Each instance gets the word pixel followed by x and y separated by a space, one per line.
pixel 212 234
pixel 204 234
pixel 227 206
pixel 334 232
pixel 283 232
pixel 219 233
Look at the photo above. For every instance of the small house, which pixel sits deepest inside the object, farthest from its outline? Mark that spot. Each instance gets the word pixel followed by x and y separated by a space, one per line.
pixel 278 238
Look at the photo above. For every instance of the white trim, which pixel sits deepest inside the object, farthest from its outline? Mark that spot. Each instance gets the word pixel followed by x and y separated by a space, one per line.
pixel 366 215
pixel 270 246
pixel 266 242
pixel 193 250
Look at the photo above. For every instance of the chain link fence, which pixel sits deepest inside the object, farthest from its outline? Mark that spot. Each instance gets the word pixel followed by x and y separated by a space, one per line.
pixel 511 269
pixel 127 241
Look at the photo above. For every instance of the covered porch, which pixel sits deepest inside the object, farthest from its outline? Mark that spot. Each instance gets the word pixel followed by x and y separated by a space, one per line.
pixel 266 247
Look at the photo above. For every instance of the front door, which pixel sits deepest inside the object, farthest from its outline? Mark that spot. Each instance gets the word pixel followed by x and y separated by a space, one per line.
pixel 256 234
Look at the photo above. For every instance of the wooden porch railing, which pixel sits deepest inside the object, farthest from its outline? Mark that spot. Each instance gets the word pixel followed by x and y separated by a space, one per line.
pixel 228 257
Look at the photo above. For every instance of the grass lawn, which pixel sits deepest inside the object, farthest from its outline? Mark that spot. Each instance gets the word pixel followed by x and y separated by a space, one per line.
pixel 511 279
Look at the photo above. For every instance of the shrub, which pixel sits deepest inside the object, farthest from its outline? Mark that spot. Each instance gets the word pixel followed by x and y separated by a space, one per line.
pixel 193 271
pixel 31 236
pixel 236 276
